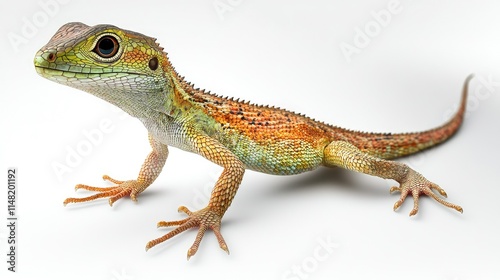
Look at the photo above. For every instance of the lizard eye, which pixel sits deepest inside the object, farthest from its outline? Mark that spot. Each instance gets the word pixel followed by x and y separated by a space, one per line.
pixel 106 47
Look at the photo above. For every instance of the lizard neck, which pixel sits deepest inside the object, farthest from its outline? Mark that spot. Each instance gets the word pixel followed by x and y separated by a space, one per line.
pixel 182 97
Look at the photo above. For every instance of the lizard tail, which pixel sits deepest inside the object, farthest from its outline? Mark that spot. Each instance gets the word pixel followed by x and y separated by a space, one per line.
pixel 388 146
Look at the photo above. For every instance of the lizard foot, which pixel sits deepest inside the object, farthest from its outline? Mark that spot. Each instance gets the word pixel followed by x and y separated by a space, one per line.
pixel 122 188
pixel 204 219
pixel 416 184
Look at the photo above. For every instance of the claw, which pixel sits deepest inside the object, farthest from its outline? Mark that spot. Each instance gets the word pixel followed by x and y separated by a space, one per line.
pixel 184 210
pixel 439 189
pixel 396 205
pixel 401 199
pixel 395 189
pixel 414 211
pixel 443 193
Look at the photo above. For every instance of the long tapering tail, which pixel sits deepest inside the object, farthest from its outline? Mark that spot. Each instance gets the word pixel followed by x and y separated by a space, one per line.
pixel 387 145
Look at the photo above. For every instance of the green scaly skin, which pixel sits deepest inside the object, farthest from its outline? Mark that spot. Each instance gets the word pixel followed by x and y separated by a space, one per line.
pixel 132 71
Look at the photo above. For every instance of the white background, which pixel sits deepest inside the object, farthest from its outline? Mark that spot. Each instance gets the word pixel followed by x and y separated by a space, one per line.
pixel 408 77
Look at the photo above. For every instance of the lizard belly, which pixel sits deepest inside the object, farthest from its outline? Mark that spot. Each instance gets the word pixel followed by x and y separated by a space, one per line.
pixel 279 157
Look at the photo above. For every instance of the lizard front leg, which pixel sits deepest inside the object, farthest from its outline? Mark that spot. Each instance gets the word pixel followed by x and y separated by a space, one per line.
pixel 346 155
pixel 150 170
pixel 220 199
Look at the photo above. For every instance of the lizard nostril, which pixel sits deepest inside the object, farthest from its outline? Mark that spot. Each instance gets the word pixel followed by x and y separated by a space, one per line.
pixel 51 57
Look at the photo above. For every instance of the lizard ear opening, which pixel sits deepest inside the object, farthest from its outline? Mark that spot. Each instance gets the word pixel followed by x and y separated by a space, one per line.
pixel 153 63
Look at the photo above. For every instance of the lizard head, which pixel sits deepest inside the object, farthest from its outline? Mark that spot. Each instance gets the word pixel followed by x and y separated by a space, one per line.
pixel 125 68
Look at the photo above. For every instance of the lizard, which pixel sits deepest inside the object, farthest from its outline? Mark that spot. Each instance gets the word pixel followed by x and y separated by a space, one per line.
pixel 132 71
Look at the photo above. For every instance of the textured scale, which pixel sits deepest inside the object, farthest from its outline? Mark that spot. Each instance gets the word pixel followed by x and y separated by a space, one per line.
pixel 131 71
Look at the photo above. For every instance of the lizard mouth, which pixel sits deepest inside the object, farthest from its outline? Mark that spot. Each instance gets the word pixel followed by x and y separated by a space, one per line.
pixel 49 72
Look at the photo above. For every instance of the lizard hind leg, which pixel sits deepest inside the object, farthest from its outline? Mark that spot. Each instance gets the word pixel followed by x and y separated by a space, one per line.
pixel 346 155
